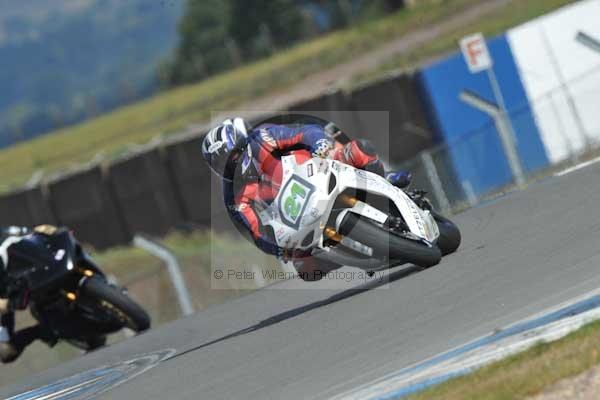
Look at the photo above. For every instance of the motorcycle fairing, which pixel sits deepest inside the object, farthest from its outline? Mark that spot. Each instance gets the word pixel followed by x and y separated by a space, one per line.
pixel 330 178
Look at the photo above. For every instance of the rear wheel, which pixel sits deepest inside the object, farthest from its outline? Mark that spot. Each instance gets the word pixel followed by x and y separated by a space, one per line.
pixel 117 304
pixel 387 244
pixel 450 237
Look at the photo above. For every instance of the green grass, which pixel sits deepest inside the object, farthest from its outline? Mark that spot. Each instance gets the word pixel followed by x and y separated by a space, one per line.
pixel 199 253
pixel 527 373
pixel 518 12
pixel 170 111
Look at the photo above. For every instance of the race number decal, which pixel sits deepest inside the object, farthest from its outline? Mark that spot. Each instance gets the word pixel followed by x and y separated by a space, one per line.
pixel 294 198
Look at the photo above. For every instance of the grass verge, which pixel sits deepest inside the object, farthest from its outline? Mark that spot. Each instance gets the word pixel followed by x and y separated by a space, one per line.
pixel 527 373
pixel 516 13
pixel 169 111
pixel 199 254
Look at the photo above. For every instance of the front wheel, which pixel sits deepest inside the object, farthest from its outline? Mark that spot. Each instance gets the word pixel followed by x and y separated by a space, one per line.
pixel 450 237
pixel 386 244
pixel 116 303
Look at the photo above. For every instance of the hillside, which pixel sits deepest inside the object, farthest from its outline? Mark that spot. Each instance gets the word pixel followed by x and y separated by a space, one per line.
pixel 65 60
pixel 290 71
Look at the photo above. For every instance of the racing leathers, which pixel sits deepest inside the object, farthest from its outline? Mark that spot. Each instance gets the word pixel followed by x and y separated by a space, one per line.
pixel 261 172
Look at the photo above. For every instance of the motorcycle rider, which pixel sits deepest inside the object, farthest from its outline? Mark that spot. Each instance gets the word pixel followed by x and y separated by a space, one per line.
pixel 259 151
pixel 13 297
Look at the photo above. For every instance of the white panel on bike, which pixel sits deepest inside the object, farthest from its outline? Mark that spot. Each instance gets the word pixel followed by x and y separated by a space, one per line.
pixel 304 202
pixel 370 212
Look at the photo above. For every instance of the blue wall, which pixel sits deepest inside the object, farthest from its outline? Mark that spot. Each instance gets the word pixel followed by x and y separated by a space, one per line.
pixel 475 148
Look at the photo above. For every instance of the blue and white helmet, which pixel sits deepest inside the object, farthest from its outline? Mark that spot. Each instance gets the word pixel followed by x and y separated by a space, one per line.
pixel 219 141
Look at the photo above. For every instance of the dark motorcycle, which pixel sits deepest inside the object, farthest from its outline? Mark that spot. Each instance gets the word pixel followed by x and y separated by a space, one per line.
pixel 69 295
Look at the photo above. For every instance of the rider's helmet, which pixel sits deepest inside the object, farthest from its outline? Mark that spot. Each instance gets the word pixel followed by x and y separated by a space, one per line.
pixel 220 141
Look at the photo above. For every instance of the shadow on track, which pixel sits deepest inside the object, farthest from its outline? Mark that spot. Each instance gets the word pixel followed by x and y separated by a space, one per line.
pixel 394 276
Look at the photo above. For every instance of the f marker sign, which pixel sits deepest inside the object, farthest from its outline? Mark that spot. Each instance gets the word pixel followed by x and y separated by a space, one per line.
pixel 476 53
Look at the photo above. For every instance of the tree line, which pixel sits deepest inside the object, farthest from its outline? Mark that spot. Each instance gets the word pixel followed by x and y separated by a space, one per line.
pixel 216 35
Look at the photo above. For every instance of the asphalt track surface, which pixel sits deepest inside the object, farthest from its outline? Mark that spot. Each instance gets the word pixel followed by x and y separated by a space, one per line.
pixel 521 254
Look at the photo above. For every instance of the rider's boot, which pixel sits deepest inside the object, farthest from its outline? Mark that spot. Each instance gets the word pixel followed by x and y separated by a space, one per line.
pixel 400 179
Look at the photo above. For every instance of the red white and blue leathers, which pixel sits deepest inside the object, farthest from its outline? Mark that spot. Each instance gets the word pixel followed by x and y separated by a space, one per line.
pixel 262 172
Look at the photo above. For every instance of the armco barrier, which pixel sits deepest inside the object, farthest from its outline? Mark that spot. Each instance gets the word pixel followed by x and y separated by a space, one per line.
pixel 145 193
pixel 409 133
pixel 83 202
pixel 26 207
pixel 191 177
pixel 168 185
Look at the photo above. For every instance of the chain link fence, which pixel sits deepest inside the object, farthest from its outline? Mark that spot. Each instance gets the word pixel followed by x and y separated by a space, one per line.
pixel 568 121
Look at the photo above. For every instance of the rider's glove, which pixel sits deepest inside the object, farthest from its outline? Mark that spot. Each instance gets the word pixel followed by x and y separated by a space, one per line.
pixel 400 179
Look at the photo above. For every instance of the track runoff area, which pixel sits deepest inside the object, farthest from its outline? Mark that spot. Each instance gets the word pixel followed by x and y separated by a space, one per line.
pixel 527 271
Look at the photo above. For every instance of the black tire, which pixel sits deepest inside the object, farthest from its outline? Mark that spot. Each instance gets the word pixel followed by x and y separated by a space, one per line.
pixel 387 244
pixel 450 237
pixel 115 301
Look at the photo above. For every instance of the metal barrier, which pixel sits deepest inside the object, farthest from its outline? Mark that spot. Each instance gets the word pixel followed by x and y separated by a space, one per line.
pixel 455 173
pixel 172 264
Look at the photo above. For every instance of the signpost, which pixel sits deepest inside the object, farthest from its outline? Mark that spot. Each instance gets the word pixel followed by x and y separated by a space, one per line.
pixel 476 53
pixel 478 59
pixel 589 41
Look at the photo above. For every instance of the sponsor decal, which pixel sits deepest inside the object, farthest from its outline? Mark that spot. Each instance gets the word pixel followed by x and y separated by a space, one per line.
pixel 309 170
pixel 418 218
pixel 293 200
pixel 364 174
pixel 280 232
pixel 60 254
pixel 348 154
pixel 322 148
pixel 323 167
pixel 267 138
pixel 247 159
pixel 215 147
pixel 310 217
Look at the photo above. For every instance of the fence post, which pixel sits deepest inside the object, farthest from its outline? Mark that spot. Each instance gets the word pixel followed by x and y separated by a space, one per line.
pixel 505 131
pixel 436 183
pixel 588 41
pixel 470 193
pixel 185 303
pixel 574 158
